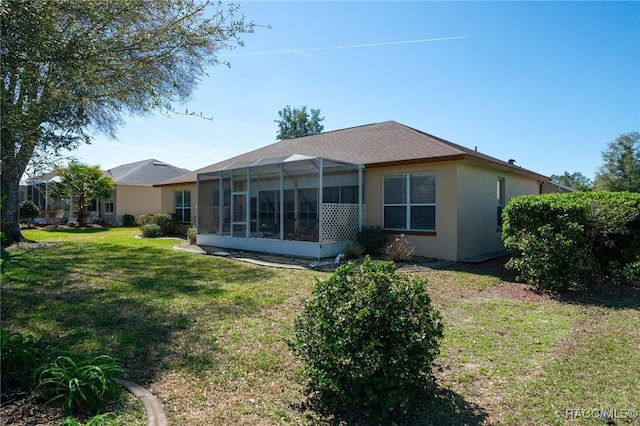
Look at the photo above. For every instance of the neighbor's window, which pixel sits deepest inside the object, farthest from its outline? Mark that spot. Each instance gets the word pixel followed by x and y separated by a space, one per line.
pixel 183 205
pixel 409 201
pixel 108 206
pixel 500 199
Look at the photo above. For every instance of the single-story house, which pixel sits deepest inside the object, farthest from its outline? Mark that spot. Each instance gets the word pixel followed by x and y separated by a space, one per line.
pixel 133 194
pixel 309 196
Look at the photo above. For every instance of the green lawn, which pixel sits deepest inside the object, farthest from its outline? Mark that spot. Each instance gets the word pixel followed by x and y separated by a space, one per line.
pixel 207 335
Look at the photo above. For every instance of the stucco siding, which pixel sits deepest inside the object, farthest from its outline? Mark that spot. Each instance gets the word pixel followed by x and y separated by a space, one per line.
pixel 135 200
pixel 441 245
pixel 478 228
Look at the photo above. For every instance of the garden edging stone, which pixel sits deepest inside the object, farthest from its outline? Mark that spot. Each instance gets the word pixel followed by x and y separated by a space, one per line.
pixel 152 405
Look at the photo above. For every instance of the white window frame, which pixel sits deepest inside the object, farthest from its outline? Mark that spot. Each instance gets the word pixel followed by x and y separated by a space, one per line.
pixel 407 204
pixel 500 200
pixel 183 207
pixel 108 206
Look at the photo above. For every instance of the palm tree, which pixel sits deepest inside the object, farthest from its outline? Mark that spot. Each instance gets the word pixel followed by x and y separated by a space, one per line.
pixel 82 183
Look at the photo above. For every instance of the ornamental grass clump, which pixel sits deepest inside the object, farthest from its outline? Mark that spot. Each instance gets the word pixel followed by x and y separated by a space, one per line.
pixel 79 382
pixel 368 338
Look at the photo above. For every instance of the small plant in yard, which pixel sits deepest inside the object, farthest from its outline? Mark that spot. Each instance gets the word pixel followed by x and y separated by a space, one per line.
pixel 151 230
pixel 128 220
pixel 28 210
pixel 79 382
pixel 352 250
pixel 368 338
pixel 22 354
pixel 372 239
pixel 400 249
pixel 99 420
pixel 191 235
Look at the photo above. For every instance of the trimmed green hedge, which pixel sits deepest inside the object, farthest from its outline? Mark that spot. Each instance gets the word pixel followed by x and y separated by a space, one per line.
pixel 561 240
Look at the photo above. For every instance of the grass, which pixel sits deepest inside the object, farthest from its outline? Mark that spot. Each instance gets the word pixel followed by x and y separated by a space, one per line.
pixel 207 335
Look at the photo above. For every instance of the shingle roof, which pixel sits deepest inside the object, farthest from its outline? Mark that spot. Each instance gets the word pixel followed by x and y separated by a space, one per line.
pixel 373 145
pixel 146 172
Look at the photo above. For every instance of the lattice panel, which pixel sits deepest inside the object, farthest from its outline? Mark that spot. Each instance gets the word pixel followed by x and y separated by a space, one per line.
pixel 340 222
pixel 209 220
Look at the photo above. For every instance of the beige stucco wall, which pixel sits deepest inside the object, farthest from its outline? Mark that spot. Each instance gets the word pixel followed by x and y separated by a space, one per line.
pixel 466 207
pixel 168 198
pixel 441 245
pixel 135 200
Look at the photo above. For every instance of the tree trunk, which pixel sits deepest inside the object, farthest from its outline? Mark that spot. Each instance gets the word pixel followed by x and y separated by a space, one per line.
pixel 11 206
pixel 82 210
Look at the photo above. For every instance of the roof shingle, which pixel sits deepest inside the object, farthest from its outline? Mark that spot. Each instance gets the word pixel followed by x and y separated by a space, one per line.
pixel 376 144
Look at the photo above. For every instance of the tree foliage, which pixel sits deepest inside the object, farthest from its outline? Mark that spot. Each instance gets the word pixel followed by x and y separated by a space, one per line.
pixel 297 122
pixel 82 184
pixel 621 168
pixel 71 67
pixel 575 180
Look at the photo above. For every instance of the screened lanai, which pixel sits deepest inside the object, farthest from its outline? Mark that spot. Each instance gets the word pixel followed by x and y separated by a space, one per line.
pixel 296 205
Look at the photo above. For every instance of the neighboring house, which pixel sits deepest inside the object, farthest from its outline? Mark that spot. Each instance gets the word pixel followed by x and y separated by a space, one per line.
pixel 309 196
pixel 134 192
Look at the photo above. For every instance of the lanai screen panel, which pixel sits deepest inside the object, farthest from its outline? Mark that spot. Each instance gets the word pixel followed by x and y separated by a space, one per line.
pixel 265 201
pixel 296 198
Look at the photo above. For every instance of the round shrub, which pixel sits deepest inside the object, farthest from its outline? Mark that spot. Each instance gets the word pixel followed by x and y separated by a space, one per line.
pixel 368 338
pixel 191 235
pixel 372 239
pixel 28 210
pixel 128 220
pixel 151 230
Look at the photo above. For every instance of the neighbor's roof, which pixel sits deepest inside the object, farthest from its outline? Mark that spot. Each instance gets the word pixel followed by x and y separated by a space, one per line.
pixel 374 145
pixel 146 172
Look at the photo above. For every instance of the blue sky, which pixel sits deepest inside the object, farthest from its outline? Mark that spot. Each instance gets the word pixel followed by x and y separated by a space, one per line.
pixel 548 84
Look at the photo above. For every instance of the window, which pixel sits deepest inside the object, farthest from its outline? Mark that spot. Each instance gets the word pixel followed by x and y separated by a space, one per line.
pixel 108 206
pixel 500 199
pixel 409 201
pixel 183 205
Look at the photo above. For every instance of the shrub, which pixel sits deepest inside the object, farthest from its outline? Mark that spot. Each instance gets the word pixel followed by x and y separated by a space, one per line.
pixel 21 355
pixel 368 338
pixel 352 250
pixel 128 220
pixel 191 235
pixel 168 223
pixel 144 219
pixel 151 230
pixel 400 249
pixel 28 210
pixel 372 239
pixel 560 240
pixel 79 382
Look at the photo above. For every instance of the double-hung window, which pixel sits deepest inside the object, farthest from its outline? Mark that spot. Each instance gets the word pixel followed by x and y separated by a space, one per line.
pixel 500 200
pixel 108 205
pixel 409 201
pixel 183 205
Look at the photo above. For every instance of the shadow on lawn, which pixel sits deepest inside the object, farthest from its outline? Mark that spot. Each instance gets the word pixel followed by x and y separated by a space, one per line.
pixel 443 407
pixel 602 292
pixel 121 301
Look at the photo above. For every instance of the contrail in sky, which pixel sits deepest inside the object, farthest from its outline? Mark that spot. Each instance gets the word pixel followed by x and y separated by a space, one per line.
pixel 350 46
